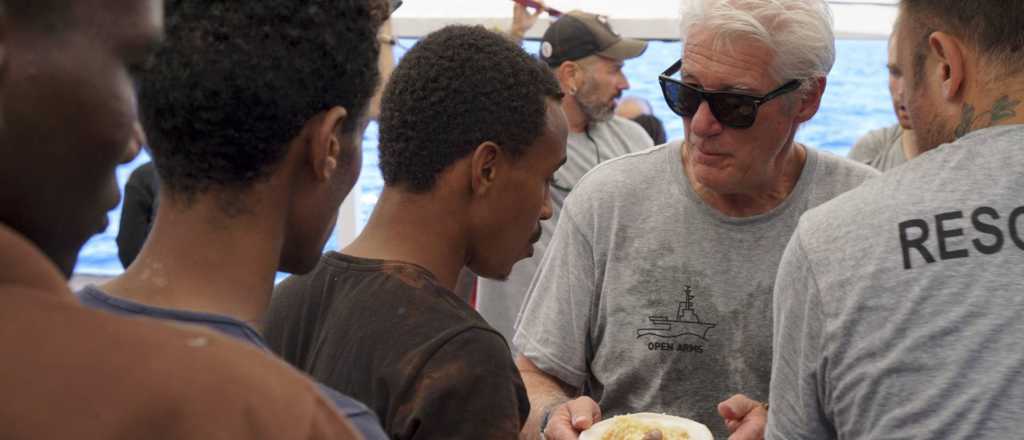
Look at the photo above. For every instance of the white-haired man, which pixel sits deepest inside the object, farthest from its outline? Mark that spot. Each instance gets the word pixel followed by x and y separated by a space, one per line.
pixel 656 291
pixel 906 322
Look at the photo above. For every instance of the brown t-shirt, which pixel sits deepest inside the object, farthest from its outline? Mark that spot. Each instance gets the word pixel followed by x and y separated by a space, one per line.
pixel 388 335
pixel 70 372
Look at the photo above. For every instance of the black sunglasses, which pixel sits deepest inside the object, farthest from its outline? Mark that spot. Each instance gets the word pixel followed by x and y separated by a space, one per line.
pixel 736 110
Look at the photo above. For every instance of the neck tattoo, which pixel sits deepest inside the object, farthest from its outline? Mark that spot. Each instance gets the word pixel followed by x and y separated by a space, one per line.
pixel 1004 108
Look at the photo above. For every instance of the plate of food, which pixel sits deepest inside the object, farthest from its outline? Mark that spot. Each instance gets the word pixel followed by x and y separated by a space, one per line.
pixel 647 426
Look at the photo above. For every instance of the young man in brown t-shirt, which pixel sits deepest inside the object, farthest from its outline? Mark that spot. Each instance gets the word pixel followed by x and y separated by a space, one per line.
pixel 471 134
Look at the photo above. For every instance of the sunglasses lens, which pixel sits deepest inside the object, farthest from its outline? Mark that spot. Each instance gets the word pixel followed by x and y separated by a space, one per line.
pixel 733 110
pixel 688 101
pixel 670 90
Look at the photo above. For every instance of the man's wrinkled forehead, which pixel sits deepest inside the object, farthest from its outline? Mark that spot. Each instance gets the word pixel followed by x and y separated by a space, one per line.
pixel 745 61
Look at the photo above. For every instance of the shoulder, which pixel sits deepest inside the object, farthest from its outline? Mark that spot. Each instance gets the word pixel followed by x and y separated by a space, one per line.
pixel 472 373
pixel 293 287
pixel 481 341
pixel 290 298
pixel 844 216
pixel 840 188
pixel 874 143
pixel 462 356
pixel 872 206
pixel 626 176
pixel 238 389
pixel 840 173
pixel 335 273
pixel 632 131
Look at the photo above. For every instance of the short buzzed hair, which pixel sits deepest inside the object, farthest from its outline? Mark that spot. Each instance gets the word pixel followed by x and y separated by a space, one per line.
pixel 996 29
pixel 457 88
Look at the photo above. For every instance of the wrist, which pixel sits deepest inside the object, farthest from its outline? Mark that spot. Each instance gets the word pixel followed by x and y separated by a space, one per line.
pixel 544 421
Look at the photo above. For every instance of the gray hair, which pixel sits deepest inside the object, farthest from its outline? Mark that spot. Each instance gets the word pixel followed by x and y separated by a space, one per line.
pixel 799 32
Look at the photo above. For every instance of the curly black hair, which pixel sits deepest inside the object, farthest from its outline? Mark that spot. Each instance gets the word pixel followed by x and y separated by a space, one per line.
pixel 457 88
pixel 237 80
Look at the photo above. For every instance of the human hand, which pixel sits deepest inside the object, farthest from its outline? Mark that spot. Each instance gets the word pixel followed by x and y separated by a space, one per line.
pixel 745 417
pixel 523 20
pixel 569 419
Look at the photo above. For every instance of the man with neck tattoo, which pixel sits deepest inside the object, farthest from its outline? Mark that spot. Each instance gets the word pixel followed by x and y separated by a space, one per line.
pixel 898 304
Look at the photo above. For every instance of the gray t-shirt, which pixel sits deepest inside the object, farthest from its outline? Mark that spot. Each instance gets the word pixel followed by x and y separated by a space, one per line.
pixel 898 306
pixel 499 301
pixel 650 300
pixel 881 149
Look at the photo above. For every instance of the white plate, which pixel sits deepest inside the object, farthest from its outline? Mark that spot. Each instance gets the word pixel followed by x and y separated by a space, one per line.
pixel 696 430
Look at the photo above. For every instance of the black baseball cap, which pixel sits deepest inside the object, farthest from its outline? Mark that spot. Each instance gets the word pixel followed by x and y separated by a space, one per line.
pixel 579 34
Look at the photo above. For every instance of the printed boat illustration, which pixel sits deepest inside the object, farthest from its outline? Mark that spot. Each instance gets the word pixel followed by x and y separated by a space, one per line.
pixel 687 322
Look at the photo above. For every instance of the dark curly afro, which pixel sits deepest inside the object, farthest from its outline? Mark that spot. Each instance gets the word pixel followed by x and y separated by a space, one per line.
pixel 457 88
pixel 237 80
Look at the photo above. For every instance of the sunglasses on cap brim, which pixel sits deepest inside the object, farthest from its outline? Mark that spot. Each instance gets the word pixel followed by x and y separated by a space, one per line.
pixel 736 110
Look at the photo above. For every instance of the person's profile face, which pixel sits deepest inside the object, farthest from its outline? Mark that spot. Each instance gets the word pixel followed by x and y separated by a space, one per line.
pixel 602 87
pixel 521 201
pixel 70 110
pixel 920 97
pixel 310 224
pixel 896 86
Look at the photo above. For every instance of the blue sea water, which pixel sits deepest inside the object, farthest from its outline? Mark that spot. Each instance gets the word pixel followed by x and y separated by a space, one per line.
pixel 856 100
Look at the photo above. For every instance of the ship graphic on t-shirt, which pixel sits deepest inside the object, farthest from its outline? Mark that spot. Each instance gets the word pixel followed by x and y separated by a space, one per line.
pixel 687 322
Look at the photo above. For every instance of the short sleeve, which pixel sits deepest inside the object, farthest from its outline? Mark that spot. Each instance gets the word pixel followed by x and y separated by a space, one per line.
pixel 798 394
pixel 554 324
pixel 868 146
pixel 470 389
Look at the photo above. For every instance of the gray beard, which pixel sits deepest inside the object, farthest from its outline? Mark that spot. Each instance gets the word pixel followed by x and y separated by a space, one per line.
pixel 593 110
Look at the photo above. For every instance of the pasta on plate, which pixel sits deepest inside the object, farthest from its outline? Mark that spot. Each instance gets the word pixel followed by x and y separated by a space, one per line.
pixel 647 426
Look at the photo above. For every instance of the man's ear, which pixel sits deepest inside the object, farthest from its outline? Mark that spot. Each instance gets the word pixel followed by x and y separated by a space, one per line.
pixel 811 100
pixel 568 74
pixel 484 167
pixel 950 67
pixel 324 142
